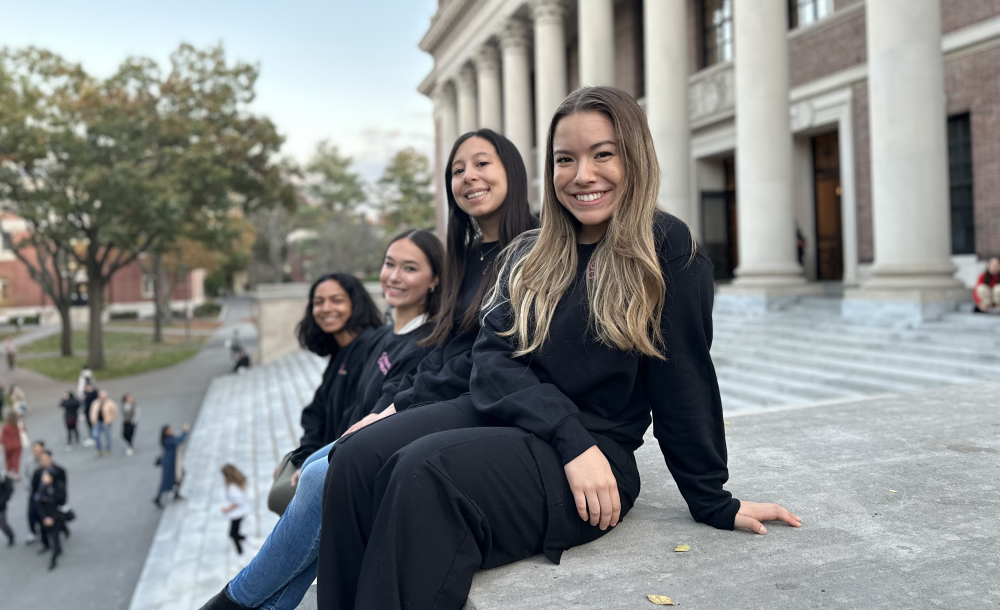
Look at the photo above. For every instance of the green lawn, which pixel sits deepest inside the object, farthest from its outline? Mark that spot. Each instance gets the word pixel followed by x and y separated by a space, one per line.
pixel 124 354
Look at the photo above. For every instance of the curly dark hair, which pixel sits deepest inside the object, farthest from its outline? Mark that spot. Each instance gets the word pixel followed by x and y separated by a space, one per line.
pixel 364 313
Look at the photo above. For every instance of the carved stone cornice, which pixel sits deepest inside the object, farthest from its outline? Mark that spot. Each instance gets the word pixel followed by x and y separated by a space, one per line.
pixel 711 94
pixel 467 79
pixel 442 23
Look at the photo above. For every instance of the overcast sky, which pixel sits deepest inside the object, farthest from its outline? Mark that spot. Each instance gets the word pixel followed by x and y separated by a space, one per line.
pixel 343 70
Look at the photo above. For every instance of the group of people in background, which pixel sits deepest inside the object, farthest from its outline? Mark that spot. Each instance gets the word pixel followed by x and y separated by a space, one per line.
pixel 987 291
pixel 48 512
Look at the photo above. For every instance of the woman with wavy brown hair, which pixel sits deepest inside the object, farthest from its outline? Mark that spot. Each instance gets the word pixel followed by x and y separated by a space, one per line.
pixel 597 320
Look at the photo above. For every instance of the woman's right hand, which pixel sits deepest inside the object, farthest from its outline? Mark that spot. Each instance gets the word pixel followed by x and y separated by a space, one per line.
pixel 594 488
pixel 370 419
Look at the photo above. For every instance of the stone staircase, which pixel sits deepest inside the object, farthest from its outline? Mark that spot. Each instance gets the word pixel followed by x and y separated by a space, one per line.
pixel 807 354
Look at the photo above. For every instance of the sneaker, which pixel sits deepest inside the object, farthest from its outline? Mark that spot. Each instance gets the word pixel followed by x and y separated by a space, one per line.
pixel 30 539
pixel 88 442
pixel 129 451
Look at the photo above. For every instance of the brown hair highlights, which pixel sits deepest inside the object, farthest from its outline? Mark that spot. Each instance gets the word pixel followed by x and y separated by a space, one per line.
pixel 233 476
pixel 626 293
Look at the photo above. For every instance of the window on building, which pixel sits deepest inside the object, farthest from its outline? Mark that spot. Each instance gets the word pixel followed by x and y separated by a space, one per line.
pixel 804 12
pixel 963 227
pixel 148 285
pixel 717 32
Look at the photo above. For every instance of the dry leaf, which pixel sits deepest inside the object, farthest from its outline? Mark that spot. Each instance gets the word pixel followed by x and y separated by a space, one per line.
pixel 726 423
pixel 661 600
pixel 892 491
pixel 682 548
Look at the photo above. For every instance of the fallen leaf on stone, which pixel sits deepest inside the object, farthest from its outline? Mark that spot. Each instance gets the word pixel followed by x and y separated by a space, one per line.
pixel 725 422
pixel 682 548
pixel 661 600
pixel 892 491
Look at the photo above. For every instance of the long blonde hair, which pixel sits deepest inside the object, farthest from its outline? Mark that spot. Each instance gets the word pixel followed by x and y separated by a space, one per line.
pixel 625 287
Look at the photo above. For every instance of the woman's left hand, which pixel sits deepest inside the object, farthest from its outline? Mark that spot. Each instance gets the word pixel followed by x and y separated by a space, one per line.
pixel 751 514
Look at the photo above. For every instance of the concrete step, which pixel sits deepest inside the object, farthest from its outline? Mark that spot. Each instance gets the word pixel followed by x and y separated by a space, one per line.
pixel 806 390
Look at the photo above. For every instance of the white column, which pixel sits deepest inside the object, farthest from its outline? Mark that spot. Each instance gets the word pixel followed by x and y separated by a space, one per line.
pixel 665 35
pixel 447 128
pixel 515 47
pixel 597 40
pixel 488 74
pixel 911 215
pixel 764 176
pixel 467 120
pixel 550 70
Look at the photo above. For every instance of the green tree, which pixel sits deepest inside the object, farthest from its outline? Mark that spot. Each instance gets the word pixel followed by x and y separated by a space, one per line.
pixel 331 182
pixel 131 163
pixel 405 198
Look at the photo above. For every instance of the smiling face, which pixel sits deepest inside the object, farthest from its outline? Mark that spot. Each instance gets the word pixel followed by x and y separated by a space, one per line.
pixel 588 170
pixel 331 306
pixel 993 266
pixel 478 179
pixel 407 275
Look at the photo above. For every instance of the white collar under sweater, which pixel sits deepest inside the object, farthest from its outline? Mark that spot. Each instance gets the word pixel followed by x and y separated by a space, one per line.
pixel 413 324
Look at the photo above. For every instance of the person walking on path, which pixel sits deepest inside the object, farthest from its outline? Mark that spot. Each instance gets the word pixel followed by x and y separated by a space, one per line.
pixel 238 504
pixel 18 400
pixel 34 522
pixel 103 412
pixel 987 290
pixel 10 438
pixel 71 408
pixel 169 463
pixel 6 491
pixel 10 350
pixel 85 378
pixel 50 496
pixel 89 394
pixel 130 419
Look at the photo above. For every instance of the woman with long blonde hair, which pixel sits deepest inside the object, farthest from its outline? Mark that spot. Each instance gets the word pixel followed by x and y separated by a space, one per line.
pixel 598 319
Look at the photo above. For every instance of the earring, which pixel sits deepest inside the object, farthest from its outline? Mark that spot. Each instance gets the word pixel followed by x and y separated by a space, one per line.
pixel 432 290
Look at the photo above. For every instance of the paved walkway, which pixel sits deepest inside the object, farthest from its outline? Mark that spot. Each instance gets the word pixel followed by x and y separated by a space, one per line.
pixel 111 496
pixel 251 420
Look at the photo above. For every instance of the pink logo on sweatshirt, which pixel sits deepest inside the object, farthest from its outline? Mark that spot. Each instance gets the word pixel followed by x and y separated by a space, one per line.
pixel 592 270
pixel 342 370
pixel 383 363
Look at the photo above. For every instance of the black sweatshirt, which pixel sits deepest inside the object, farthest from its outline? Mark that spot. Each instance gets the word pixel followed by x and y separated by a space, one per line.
pixel 444 373
pixel 322 417
pixel 392 357
pixel 575 387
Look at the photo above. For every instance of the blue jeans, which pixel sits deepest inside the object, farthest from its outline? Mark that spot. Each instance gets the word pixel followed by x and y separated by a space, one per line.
pixel 281 573
pixel 105 429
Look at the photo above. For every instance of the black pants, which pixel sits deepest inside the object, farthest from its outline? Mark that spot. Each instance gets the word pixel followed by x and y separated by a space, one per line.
pixel 416 503
pixel 34 520
pixel 234 533
pixel 128 431
pixel 72 432
pixel 4 526
pixel 50 537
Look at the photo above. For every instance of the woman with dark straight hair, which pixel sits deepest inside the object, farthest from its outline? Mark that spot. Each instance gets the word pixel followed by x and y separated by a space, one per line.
pixel 598 320
pixel 487 210
pixel 281 573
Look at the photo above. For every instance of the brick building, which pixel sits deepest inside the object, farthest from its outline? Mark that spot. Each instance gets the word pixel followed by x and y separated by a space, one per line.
pixel 896 195
pixel 130 289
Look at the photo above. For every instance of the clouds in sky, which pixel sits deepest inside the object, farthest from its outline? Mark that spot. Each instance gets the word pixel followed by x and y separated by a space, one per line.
pixel 338 70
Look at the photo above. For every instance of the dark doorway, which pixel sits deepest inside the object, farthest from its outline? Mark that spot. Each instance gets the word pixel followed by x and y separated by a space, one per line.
pixel 718 224
pixel 829 229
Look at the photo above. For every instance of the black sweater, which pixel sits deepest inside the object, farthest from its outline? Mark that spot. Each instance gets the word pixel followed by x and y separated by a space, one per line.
pixel 575 386
pixel 323 417
pixel 391 357
pixel 444 373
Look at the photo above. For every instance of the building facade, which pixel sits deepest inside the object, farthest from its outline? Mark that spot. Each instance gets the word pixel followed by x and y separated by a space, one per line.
pixel 130 289
pixel 811 145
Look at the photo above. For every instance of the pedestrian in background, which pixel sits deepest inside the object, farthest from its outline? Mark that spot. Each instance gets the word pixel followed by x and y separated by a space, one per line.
pixel 18 400
pixel 34 521
pixel 10 350
pixel 130 419
pixel 239 504
pixel 71 408
pixel 50 496
pixel 6 491
pixel 85 378
pixel 103 412
pixel 169 463
pixel 89 396
pixel 10 438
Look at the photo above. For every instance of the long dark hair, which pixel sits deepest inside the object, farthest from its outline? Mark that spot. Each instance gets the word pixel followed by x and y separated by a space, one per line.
pixel 463 235
pixel 431 246
pixel 164 435
pixel 363 314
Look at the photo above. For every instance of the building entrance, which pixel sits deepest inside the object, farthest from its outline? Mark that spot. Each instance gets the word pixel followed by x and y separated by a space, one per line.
pixel 718 224
pixel 829 228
